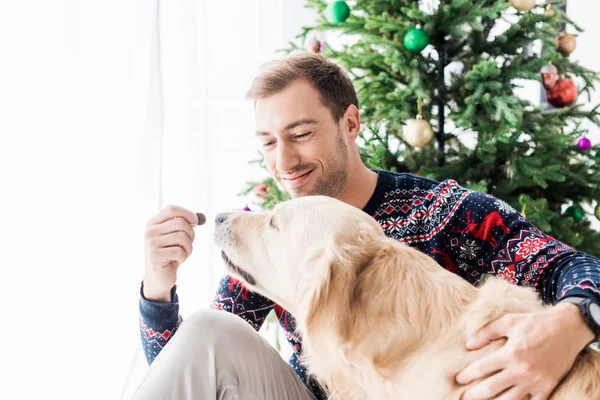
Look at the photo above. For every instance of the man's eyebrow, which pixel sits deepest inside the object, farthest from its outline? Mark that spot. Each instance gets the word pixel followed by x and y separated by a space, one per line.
pixel 290 126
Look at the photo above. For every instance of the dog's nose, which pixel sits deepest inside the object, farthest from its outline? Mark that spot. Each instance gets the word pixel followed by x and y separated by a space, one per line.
pixel 220 218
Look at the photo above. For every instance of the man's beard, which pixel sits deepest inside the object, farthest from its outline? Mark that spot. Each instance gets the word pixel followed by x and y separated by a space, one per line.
pixel 334 182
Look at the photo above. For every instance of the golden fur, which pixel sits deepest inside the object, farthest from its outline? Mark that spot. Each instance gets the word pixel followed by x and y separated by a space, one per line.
pixel 379 319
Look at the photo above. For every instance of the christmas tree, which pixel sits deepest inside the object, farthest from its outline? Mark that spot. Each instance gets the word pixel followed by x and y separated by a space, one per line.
pixel 438 92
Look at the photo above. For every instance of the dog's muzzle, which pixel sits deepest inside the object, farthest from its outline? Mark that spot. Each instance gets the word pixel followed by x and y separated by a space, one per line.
pixel 235 268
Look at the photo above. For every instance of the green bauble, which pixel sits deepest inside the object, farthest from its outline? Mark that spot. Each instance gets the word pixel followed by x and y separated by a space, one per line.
pixel 597 210
pixel 416 40
pixel 575 212
pixel 337 12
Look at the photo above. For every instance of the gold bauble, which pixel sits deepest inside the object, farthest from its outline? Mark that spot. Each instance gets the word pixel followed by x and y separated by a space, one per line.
pixel 566 43
pixel 418 133
pixel 522 5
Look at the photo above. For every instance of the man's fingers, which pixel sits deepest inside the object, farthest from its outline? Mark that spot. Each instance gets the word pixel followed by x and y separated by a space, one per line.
pixel 171 226
pixel 515 393
pixel 171 212
pixel 174 239
pixel 174 254
pixel 491 387
pixel 482 367
pixel 493 331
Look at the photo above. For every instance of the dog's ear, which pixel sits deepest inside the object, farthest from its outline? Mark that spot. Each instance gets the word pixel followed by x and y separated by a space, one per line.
pixel 330 276
pixel 327 292
pixel 374 304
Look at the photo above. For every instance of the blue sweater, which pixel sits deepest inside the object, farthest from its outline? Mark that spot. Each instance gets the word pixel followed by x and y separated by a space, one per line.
pixel 466 232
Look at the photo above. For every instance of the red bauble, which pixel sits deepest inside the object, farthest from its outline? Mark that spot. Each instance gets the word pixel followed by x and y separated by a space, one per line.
pixel 260 191
pixel 563 94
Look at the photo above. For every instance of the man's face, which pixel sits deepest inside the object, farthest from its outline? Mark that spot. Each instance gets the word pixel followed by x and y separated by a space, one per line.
pixel 304 148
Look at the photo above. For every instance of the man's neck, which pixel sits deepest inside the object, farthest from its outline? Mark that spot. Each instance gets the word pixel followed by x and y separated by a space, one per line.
pixel 361 186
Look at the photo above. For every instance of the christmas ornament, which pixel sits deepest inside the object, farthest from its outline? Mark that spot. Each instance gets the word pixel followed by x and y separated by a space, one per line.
pixel 549 10
pixel 337 12
pixel 315 46
pixel 563 94
pixel 419 132
pixel 566 43
pixel 575 212
pixel 508 170
pixel 597 211
pixel 584 144
pixel 246 208
pixel 260 191
pixel 549 76
pixel 415 40
pixel 522 5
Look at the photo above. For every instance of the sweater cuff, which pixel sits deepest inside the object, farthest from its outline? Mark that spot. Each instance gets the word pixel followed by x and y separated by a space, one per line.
pixel 174 298
pixel 152 310
pixel 579 292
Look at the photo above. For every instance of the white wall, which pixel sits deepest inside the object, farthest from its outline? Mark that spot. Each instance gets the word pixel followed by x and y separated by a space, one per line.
pixel 585 13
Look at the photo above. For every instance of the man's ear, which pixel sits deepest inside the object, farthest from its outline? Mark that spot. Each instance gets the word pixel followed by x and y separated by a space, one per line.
pixel 351 120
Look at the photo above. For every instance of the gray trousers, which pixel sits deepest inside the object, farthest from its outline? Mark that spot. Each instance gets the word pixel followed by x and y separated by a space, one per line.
pixel 217 355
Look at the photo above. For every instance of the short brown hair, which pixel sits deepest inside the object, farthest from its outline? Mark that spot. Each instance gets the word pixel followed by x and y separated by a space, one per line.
pixel 328 78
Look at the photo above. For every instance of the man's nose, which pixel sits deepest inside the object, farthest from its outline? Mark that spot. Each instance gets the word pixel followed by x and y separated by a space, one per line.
pixel 287 157
pixel 220 218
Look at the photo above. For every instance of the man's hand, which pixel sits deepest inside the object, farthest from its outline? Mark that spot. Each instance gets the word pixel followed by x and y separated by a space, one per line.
pixel 540 350
pixel 169 238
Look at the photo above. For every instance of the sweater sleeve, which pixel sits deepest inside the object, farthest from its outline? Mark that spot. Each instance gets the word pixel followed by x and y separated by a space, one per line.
pixel 486 235
pixel 158 323
pixel 577 274
pixel 233 297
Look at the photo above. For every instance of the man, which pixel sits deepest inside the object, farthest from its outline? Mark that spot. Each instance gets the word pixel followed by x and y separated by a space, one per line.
pixel 307 121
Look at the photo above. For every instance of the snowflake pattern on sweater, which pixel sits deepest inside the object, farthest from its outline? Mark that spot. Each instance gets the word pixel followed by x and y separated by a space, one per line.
pixel 466 232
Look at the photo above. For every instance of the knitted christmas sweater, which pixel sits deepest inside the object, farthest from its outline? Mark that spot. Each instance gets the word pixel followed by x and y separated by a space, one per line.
pixel 468 233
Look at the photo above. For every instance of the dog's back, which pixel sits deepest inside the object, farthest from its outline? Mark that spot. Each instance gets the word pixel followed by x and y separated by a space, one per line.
pixel 497 298
pixel 583 381
pixel 411 344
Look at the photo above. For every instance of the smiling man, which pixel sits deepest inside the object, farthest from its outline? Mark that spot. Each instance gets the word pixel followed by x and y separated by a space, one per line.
pixel 307 123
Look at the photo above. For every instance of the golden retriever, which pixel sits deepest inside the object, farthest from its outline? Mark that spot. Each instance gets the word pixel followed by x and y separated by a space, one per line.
pixel 378 319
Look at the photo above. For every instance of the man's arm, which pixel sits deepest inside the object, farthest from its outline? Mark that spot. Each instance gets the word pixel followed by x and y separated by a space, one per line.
pixel 577 274
pixel 158 323
pixel 159 320
pixel 541 347
pixel 488 236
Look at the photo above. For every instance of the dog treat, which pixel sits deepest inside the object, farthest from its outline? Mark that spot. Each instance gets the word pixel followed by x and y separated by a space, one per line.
pixel 201 218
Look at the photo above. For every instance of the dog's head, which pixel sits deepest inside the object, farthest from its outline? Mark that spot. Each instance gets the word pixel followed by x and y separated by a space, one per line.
pixel 332 267
pixel 287 254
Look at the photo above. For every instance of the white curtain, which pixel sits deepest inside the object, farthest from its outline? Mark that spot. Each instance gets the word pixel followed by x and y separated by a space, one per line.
pixel 110 111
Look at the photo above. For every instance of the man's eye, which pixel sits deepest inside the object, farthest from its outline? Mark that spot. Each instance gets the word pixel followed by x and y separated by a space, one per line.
pixel 302 135
pixel 267 144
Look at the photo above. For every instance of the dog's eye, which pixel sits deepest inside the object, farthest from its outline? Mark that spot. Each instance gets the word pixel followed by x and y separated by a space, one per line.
pixel 272 223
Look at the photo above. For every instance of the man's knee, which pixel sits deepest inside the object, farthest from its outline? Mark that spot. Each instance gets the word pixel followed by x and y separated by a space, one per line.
pixel 211 327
